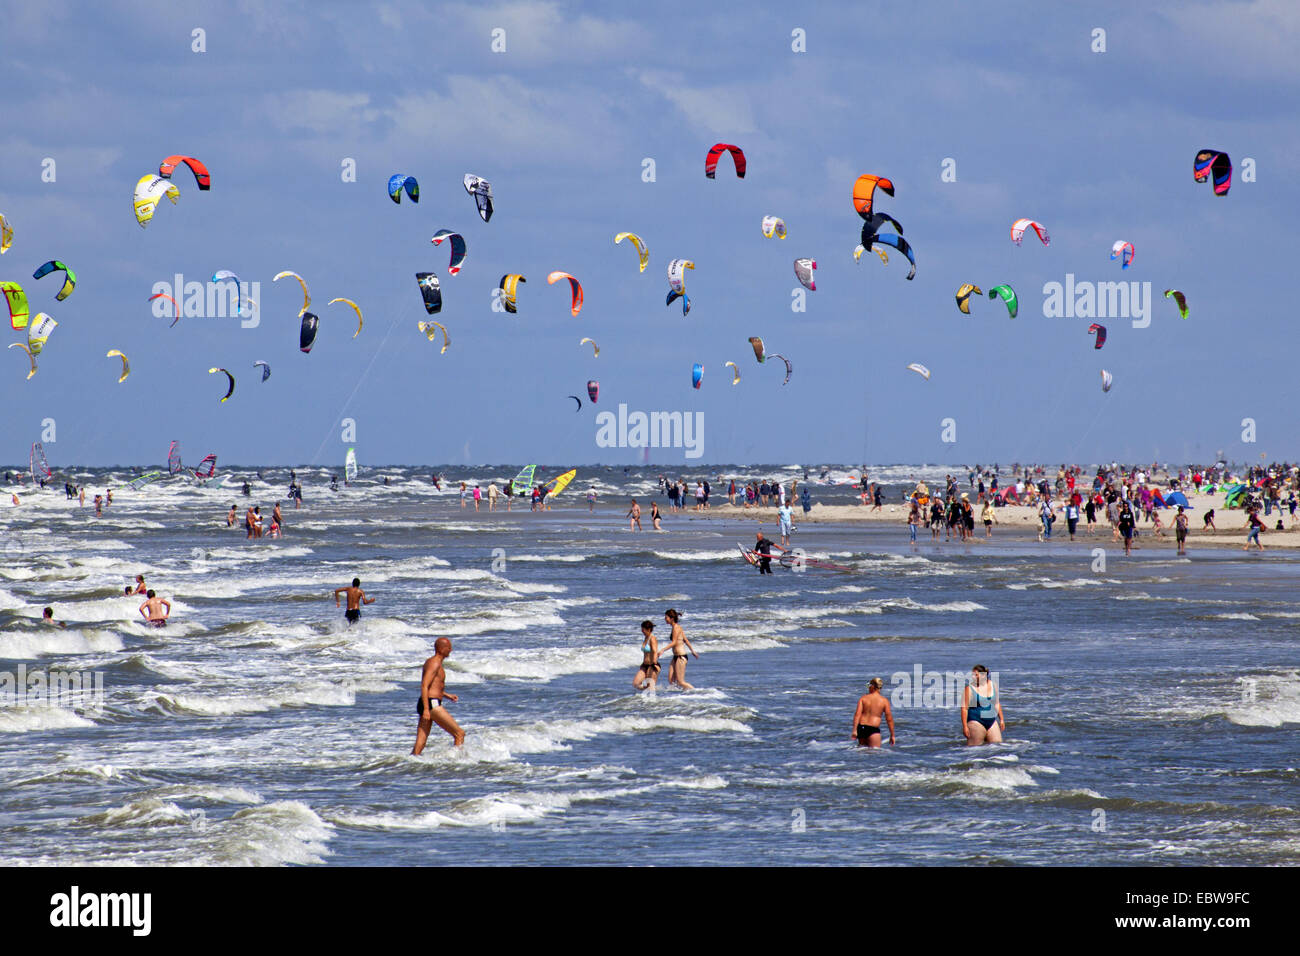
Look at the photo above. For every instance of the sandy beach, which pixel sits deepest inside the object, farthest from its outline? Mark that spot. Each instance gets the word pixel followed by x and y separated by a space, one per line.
pixel 1021 521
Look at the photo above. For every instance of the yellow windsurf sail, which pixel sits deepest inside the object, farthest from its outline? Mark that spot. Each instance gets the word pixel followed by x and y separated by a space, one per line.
pixel 562 482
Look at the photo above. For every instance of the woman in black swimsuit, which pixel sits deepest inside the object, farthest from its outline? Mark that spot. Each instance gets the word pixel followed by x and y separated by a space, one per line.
pixel 679 645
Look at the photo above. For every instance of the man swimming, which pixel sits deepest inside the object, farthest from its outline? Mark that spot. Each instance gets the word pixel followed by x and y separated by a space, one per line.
pixel 47 617
pixel 152 609
pixel 356 598
pixel 430 707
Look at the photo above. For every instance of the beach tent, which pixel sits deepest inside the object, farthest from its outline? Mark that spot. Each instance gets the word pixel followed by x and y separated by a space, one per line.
pixel 1233 496
pixel 1009 493
pixel 1176 498
pixel 1158 499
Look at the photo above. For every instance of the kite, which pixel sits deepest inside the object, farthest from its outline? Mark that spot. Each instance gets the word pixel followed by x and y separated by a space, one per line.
pixel 306 333
pixel 803 270
pixel 1106 380
pixel 897 242
pixel 148 191
pixel 788 367
pixel 1008 295
pixel 1100 330
pixel 593 345
pixel 1211 161
pixel 6 234
pixel 1020 225
pixel 879 219
pixel 864 193
pixel 39 331
pixel 920 370
pixel 481 190
pixel 230 391
pixel 697 375
pixel 576 305
pixel 677 274
pixel 16 299
pixel 1177 297
pixel 266 370
pixel 772 226
pixel 69 277
pixel 30 356
pixel 430 330
pixel 432 292
pixel 759 352
pixel 579 401
pixel 210 461
pixel 735 372
pixel 223 274
pixel 686 300
pixel 200 171
pixel 509 286
pixel 306 296
pixel 126 365
pixel 399 181
pixel 1122 251
pixel 458 248
pixel 175 305
pixel 963 296
pixel 643 254
pixel 174 458
pixel 737 157
pixel 593 390
pixel 355 308
pixel 859 249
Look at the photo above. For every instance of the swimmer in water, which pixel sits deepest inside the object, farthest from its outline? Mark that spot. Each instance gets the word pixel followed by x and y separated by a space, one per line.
pixel 139 585
pixel 981 709
pixel 431 704
pixel 679 644
pixel 356 598
pixel 47 617
pixel 647 675
pixel 872 707
pixel 152 609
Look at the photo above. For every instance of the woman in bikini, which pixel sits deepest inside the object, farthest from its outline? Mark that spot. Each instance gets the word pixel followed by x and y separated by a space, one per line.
pixel 679 644
pixel 981 710
pixel 647 675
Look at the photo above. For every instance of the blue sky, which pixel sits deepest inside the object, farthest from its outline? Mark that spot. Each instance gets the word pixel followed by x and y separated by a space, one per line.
pixel 1097 146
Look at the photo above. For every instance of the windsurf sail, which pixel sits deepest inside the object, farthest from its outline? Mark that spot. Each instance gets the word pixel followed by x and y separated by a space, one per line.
pixel 146 478
pixel 556 485
pixel 207 467
pixel 524 480
pixel 40 468
pixel 174 459
pixel 350 466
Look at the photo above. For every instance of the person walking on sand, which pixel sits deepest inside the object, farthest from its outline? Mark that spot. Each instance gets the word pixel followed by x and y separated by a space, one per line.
pixel 492 496
pixel 989 516
pixel 784 517
pixel 913 520
pixel 1180 530
pixel 356 598
pixel 982 721
pixel 872 706
pixel 431 706
pixel 1254 526
pixel 634 517
pixel 1125 527
pixel 679 644
pixel 647 675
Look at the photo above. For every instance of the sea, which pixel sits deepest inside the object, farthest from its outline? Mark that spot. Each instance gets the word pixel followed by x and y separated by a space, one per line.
pixel 1152 703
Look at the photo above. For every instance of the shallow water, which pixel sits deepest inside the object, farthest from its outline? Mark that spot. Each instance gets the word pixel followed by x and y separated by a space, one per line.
pixel 1151 706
